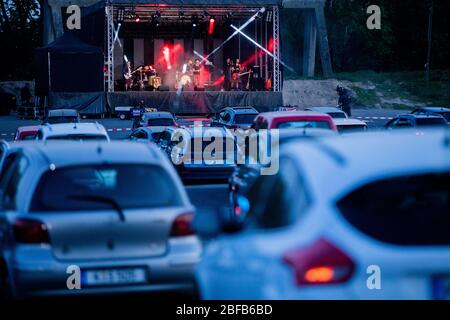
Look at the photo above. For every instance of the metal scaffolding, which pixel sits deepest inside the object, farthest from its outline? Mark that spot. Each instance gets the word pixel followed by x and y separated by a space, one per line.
pixel 110 43
pixel 276 50
pixel 109 58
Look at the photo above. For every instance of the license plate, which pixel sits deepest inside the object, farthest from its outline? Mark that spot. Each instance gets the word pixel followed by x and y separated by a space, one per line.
pixel 105 277
pixel 441 288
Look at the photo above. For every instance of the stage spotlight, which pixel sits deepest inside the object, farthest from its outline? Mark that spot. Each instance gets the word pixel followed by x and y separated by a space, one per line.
pixel 137 18
pixel 195 21
pixel 212 20
pixel 120 14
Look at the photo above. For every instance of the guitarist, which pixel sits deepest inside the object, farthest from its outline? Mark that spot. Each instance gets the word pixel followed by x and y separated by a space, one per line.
pixel 128 76
pixel 235 75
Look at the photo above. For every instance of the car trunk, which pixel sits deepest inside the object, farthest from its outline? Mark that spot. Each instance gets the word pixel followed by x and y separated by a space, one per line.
pixel 102 234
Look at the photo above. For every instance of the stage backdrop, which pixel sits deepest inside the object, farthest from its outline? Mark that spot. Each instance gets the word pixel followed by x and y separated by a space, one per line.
pixel 74 66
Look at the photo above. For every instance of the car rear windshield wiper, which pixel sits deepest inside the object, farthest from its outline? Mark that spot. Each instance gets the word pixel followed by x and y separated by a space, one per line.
pixel 101 199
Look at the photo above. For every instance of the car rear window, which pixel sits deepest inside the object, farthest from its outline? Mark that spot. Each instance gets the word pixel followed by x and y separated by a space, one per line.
pixel 304 124
pixel 65 119
pixel 79 137
pixel 244 118
pixel 129 185
pixel 430 121
pixel 337 115
pixel 352 128
pixel 411 210
pixel 160 122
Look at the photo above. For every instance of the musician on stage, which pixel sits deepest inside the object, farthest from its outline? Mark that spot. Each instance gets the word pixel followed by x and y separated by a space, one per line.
pixel 227 75
pixel 235 78
pixel 196 73
pixel 128 76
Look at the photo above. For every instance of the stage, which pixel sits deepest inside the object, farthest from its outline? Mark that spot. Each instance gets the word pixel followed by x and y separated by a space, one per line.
pixel 187 102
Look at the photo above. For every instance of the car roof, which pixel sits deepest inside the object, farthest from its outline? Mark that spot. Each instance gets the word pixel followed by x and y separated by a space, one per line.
pixel 292 114
pixel 28 128
pixel 62 112
pixel 365 157
pixel 434 109
pixel 241 110
pixel 159 114
pixel 73 128
pixel 420 116
pixel 325 109
pixel 70 153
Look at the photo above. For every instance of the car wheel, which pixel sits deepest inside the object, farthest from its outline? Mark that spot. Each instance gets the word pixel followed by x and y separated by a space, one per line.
pixel 122 116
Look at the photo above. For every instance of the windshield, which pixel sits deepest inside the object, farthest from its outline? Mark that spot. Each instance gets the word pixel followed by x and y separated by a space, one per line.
pixel 304 124
pixel 130 185
pixel 244 118
pixel 79 137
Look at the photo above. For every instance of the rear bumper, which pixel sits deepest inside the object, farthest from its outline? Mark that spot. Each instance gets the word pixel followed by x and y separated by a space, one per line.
pixel 40 274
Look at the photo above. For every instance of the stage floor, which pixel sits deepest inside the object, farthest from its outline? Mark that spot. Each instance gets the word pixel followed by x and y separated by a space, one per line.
pixel 197 101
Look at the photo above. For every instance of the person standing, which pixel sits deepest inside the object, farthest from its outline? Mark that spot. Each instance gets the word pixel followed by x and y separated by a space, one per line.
pixel 196 69
pixel 235 78
pixel 345 100
pixel 128 76
pixel 227 75
pixel 25 95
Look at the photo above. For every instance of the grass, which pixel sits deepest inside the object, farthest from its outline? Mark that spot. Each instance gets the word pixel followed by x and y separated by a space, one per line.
pixel 400 85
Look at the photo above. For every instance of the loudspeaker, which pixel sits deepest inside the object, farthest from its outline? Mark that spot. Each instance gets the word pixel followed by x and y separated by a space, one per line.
pixel 164 88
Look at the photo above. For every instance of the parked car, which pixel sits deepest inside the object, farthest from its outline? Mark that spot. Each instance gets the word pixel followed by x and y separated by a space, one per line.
pixel 244 175
pixel 7 102
pixel 158 120
pixel 293 120
pixel 72 131
pixel 121 218
pixel 144 134
pixel 416 120
pixel 332 217
pixel 26 133
pixel 186 147
pixel 445 112
pixel 343 123
pixel 235 117
pixel 55 116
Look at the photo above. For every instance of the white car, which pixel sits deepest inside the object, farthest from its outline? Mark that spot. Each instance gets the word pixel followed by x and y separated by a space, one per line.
pixel 339 224
pixel 343 123
pixel 72 131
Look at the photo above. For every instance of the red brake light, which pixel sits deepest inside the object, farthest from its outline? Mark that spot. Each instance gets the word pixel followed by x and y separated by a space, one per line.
pixel 320 263
pixel 182 225
pixel 30 231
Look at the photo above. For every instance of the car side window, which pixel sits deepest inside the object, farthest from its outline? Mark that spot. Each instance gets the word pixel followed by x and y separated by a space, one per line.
pixel 279 200
pixel 225 116
pixel 12 183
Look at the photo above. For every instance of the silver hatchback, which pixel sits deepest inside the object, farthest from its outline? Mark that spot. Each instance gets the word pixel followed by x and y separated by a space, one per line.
pixel 94 218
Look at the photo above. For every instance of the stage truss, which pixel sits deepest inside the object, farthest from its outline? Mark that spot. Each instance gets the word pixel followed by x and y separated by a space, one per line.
pixel 111 34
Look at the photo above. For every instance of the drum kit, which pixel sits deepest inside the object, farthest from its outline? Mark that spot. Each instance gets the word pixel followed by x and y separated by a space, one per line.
pixel 144 78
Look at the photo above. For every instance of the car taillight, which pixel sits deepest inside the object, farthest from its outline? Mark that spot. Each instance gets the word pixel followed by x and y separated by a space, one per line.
pixel 182 225
pixel 30 231
pixel 320 263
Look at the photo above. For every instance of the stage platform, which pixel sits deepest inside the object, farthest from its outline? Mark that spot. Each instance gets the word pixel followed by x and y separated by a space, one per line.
pixel 197 101
pixel 189 102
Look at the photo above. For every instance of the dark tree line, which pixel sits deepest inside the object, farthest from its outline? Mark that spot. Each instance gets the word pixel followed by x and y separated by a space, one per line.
pixel 20 34
pixel 401 44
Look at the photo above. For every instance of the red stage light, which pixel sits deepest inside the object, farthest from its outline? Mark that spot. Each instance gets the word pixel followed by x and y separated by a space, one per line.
pixel 211 26
pixel 166 53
